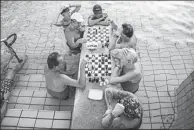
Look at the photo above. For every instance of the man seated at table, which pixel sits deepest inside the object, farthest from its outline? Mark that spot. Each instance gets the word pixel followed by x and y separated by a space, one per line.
pixel 74 33
pixel 123 38
pixel 98 18
pixel 57 80
pixel 66 13
pixel 127 70
pixel 127 104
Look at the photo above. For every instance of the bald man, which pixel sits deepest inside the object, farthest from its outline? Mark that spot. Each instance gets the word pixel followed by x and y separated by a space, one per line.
pixel 127 70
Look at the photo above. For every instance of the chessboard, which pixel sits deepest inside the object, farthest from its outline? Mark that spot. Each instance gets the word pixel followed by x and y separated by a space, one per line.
pixel 98 67
pixel 100 34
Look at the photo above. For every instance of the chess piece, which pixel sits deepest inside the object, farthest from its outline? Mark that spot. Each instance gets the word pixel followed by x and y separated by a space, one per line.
pixel 97 80
pixel 89 79
pixel 106 72
pixel 109 56
pixel 101 83
pixel 99 65
pixel 106 66
pixel 89 73
pixel 102 79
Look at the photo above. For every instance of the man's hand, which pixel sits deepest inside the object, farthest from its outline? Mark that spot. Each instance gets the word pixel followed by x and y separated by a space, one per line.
pixel 83 62
pixel 108 111
pixel 113 25
pixel 82 40
pixel 82 28
pixel 117 62
pixel 105 15
pixel 118 32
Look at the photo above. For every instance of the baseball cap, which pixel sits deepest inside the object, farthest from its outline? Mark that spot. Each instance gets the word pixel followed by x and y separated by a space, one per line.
pixel 97 7
pixel 65 9
pixel 78 17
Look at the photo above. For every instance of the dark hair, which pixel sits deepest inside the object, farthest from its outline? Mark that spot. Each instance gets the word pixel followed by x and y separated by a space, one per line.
pixel 64 10
pixel 97 8
pixel 127 30
pixel 52 60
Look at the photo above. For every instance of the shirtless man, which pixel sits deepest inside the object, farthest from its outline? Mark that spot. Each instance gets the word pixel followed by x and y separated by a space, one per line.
pixel 66 13
pixel 127 70
pixel 57 83
pixel 98 18
pixel 123 38
pixel 74 33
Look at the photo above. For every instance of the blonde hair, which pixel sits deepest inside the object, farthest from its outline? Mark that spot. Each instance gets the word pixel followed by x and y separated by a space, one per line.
pixel 125 54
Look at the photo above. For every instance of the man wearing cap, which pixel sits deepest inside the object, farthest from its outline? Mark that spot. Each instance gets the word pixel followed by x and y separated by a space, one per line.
pixel 98 18
pixel 127 70
pixel 74 33
pixel 65 12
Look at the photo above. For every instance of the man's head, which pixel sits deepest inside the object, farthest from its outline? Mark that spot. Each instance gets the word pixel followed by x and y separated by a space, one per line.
pixel 54 60
pixel 128 56
pixel 97 10
pixel 76 20
pixel 127 31
pixel 66 12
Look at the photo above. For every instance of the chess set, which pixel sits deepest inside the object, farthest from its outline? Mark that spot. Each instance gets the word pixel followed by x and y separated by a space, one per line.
pixel 99 34
pixel 98 68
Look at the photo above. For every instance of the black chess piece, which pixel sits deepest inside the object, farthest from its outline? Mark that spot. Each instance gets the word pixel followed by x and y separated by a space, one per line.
pixel 89 73
pixel 103 59
pixel 106 72
pixel 102 79
pixel 97 80
pixel 99 65
pixel 109 56
pixel 106 66
pixel 89 79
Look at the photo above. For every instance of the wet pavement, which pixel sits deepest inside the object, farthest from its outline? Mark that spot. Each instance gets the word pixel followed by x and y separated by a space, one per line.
pixel 165 47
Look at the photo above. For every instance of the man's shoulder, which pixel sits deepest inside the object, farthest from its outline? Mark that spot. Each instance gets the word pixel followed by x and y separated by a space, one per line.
pixel 46 69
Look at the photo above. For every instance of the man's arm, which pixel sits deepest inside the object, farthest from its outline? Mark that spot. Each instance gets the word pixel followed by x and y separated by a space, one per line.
pixel 94 22
pixel 70 40
pixel 82 80
pixel 112 93
pixel 61 23
pixel 77 8
pixel 127 77
pixel 113 42
pixel 105 22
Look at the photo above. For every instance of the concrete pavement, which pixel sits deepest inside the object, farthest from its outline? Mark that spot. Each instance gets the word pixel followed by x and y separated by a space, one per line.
pixel 166 58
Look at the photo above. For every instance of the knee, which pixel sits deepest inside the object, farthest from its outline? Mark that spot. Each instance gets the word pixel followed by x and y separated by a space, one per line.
pixel 108 91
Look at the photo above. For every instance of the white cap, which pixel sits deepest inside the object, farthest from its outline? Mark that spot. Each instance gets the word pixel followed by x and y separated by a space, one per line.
pixel 78 17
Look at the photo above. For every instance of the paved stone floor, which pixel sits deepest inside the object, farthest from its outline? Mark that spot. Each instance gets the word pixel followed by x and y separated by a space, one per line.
pixel 166 57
